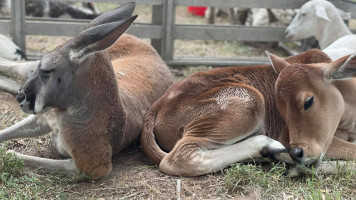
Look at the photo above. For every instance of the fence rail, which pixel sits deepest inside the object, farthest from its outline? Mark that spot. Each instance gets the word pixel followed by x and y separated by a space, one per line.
pixel 163 30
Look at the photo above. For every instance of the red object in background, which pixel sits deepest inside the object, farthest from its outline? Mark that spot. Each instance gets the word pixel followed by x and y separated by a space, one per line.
pixel 200 11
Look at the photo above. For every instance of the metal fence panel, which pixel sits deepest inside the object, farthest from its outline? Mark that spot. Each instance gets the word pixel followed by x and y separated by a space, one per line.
pixel 283 4
pixel 237 33
pixel 163 30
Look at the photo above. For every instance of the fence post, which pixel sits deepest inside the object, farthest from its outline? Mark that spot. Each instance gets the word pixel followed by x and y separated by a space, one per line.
pixel 159 18
pixel 169 30
pixel 18 23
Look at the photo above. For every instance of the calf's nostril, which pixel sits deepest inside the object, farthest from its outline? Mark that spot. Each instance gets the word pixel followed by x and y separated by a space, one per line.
pixel 296 154
pixel 20 97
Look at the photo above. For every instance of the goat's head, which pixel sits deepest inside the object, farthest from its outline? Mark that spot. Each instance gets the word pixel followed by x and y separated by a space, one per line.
pixel 311 17
pixel 53 82
pixel 311 104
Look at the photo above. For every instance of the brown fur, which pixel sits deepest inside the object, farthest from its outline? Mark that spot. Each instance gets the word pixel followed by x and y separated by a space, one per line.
pixel 124 92
pixel 112 91
pixel 99 84
pixel 191 118
pixel 328 126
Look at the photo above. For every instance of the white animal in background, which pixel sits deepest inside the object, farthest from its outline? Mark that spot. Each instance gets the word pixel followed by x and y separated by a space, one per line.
pixel 5 7
pixel 21 69
pixel 235 15
pixel 252 16
pixel 321 19
pixel 9 50
pixel 40 8
pixel 270 17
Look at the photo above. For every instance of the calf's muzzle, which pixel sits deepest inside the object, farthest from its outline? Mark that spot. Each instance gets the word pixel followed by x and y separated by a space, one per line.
pixel 296 154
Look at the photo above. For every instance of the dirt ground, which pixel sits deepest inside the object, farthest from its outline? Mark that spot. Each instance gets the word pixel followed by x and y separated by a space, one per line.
pixel 132 177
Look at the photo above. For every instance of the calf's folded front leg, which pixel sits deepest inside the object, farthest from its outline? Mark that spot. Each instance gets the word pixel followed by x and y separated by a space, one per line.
pixel 341 149
pixel 189 158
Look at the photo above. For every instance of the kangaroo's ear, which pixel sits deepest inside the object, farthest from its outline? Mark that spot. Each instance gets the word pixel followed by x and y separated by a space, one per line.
pixel 102 32
pixel 342 68
pixel 123 12
pixel 277 63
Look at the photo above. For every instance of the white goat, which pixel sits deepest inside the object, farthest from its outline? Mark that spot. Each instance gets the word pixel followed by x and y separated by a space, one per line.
pixel 21 69
pixel 9 50
pixel 321 19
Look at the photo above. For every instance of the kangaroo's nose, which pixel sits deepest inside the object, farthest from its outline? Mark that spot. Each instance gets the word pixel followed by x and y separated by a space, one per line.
pixel 20 97
pixel 296 154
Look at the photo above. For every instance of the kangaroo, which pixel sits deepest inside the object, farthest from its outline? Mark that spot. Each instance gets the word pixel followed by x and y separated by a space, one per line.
pixel 98 90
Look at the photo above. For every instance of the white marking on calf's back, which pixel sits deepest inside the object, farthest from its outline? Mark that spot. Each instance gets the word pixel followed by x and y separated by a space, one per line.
pixel 225 94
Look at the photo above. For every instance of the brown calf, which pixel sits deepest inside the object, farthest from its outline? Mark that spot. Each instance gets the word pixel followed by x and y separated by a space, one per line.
pixel 215 118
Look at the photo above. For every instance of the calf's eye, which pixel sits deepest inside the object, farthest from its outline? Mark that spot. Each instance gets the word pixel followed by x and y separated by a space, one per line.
pixel 308 103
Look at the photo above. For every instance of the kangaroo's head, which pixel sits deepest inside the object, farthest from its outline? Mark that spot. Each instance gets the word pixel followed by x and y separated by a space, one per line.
pixel 53 83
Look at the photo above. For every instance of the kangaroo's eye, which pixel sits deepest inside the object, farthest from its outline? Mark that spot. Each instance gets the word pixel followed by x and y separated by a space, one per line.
pixel 46 72
pixel 308 103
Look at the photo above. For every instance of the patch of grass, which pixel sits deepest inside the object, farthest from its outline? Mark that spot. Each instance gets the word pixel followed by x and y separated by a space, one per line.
pixel 18 183
pixel 243 178
pixel 273 183
pixel 235 47
pixel 9 164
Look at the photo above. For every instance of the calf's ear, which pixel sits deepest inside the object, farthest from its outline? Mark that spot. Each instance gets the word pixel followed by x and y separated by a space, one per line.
pixel 342 68
pixel 277 63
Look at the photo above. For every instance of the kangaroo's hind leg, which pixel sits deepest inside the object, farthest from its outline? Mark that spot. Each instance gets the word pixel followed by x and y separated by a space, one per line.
pixel 32 126
pixel 46 163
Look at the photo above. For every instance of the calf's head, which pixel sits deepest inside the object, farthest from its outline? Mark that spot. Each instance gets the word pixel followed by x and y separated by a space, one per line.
pixel 53 84
pixel 311 104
